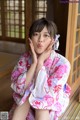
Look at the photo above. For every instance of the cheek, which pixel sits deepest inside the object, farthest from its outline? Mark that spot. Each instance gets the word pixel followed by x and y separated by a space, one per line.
pixel 34 43
pixel 47 44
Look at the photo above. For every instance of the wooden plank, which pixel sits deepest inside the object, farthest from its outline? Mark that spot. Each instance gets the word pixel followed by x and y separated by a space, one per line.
pixel 68 111
pixel 79 93
pixel 78 116
pixel 68 39
pixel 7 62
pixel 6 99
pixel 75 114
pixel 72 103
pixel 71 113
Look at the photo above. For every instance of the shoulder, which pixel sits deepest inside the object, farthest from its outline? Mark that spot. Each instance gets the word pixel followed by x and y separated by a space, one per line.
pixel 60 60
pixel 63 61
pixel 25 56
pixel 24 59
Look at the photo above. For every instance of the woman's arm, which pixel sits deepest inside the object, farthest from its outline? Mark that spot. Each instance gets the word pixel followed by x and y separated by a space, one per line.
pixel 58 79
pixel 21 76
pixel 21 111
pixel 30 74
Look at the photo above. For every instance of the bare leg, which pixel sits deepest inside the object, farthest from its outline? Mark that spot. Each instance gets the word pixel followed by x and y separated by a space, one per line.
pixel 41 114
pixel 21 111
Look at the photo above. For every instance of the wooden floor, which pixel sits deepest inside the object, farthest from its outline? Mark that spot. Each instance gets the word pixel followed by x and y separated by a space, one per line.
pixel 73 110
pixel 6 99
pixel 7 63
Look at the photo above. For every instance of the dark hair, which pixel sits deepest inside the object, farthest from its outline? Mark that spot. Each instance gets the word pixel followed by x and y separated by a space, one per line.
pixel 39 24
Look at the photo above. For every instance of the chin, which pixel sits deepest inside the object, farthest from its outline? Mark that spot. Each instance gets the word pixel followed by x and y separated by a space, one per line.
pixel 39 52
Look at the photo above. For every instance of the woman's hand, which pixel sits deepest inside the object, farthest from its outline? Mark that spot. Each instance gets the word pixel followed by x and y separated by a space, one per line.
pixel 46 53
pixel 43 57
pixel 33 52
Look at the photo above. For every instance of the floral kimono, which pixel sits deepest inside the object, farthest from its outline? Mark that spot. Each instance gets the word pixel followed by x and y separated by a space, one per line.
pixel 50 90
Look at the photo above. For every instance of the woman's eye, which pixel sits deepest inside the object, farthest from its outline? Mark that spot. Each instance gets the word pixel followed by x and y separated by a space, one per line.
pixel 35 34
pixel 46 35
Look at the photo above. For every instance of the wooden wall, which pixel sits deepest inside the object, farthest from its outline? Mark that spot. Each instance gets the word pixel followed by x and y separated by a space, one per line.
pixel 58 12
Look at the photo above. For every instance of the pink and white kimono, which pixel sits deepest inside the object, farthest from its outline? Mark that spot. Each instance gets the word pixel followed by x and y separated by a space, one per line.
pixel 50 90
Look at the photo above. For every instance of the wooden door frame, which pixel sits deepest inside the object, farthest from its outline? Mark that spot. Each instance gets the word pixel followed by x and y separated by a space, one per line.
pixel 70 42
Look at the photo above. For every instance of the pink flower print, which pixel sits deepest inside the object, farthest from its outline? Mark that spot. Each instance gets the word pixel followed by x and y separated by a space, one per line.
pixel 15 74
pixel 48 62
pixel 25 97
pixel 57 88
pixel 68 89
pixel 56 60
pixel 46 90
pixel 49 100
pixel 21 81
pixel 57 97
pixel 26 55
pixel 20 63
pixel 27 64
pixel 59 71
pixel 49 81
pixel 59 106
pixel 36 103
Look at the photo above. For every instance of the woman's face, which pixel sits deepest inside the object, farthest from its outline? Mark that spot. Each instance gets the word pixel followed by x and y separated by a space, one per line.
pixel 41 40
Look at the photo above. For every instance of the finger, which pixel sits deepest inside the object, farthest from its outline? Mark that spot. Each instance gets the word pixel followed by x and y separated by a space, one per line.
pixel 30 41
pixel 31 45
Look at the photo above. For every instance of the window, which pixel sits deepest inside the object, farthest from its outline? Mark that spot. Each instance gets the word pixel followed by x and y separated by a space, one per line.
pixel 0 22
pixel 40 8
pixel 12 19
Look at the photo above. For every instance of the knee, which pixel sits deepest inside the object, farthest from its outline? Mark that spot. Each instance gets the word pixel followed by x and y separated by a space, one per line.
pixel 40 114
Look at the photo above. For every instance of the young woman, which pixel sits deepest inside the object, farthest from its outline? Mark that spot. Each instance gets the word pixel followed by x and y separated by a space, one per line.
pixel 39 80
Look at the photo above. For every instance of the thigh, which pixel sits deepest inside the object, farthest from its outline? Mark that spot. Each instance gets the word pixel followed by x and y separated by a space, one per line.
pixel 41 114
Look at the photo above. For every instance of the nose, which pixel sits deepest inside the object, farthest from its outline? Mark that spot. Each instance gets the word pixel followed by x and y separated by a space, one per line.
pixel 40 38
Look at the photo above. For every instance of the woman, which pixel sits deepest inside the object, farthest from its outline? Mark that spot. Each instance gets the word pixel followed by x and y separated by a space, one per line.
pixel 39 80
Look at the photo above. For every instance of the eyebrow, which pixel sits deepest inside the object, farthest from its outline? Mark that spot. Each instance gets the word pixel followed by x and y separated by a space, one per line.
pixel 46 32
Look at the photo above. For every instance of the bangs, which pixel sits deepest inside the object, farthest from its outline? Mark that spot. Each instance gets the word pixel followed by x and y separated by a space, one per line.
pixel 39 25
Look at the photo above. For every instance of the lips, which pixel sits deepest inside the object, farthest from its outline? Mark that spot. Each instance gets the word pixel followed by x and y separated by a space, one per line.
pixel 39 46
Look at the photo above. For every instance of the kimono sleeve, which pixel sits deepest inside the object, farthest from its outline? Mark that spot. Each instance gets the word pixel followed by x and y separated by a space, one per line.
pixel 18 76
pixel 58 79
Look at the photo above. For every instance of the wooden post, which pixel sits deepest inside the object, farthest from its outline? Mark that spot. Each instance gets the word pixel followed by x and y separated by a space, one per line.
pixel 28 19
pixel 79 93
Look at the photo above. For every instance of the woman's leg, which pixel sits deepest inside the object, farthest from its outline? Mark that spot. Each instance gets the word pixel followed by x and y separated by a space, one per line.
pixel 41 114
pixel 21 111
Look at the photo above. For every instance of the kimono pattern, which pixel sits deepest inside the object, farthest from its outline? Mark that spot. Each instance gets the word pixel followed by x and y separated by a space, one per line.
pixel 50 90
